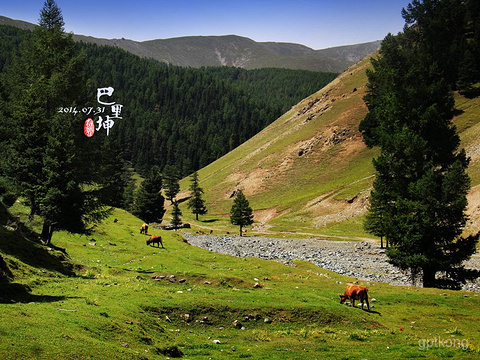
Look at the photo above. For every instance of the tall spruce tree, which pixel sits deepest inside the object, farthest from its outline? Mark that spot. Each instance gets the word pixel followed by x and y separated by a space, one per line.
pixel 113 174
pixel 61 200
pixel 241 213
pixel 375 220
pixel 44 160
pixel 176 213
pixel 196 203
pixel 149 202
pixel 421 182
pixel 171 178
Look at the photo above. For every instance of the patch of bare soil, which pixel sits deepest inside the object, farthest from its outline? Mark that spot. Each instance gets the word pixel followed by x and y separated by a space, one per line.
pixel 473 210
pixel 333 210
pixel 252 183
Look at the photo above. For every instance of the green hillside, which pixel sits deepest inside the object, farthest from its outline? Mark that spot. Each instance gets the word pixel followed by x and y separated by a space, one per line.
pixel 309 172
pixel 109 296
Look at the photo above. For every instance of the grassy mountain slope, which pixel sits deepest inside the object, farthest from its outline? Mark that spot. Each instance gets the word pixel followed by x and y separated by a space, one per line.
pixel 126 300
pixel 310 172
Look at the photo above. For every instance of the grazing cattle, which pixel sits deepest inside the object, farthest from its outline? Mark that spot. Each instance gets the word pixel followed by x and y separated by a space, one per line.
pixel 144 229
pixel 355 292
pixel 211 232
pixel 155 239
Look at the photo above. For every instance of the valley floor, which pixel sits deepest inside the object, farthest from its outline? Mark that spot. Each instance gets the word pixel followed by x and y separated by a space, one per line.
pixel 363 260
pixel 110 296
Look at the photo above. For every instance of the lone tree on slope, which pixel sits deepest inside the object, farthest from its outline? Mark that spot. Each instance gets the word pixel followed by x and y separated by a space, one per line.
pixel 149 203
pixel 171 179
pixel 196 203
pixel 176 214
pixel 241 213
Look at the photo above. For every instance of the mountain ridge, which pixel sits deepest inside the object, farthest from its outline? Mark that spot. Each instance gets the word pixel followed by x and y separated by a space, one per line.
pixel 238 51
pixel 232 50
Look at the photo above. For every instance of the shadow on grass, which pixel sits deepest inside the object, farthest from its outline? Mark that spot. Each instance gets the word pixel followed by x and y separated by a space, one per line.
pixel 16 244
pixel 471 93
pixel 11 293
pixel 21 242
pixel 140 271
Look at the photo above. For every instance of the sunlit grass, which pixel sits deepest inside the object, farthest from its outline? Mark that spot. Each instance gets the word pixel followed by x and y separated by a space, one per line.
pixel 129 300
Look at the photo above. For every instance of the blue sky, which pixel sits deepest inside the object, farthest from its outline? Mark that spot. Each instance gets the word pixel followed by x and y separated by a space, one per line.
pixel 318 24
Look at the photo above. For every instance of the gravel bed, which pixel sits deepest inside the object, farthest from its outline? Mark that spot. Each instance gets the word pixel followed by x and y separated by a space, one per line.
pixel 362 260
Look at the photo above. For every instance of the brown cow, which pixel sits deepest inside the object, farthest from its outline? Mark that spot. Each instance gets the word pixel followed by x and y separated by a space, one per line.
pixel 355 292
pixel 155 239
pixel 144 229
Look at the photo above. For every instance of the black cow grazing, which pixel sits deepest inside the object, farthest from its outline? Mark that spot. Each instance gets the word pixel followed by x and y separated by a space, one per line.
pixel 155 239
pixel 144 229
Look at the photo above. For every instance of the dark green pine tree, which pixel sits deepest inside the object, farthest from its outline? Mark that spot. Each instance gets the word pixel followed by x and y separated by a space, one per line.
pixel 196 203
pixel 149 203
pixel 47 74
pixel 421 183
pixel 439 29
pixel 171 178
pixel 129 195
pixel 375 220
pixel 112 175
pixel 176 214
pixel 468 74
pixel 241 213
pixel 61 200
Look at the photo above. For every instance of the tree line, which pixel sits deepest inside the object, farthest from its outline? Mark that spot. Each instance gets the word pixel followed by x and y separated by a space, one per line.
pixel 179 116
pixel 190 117
pixel 149 204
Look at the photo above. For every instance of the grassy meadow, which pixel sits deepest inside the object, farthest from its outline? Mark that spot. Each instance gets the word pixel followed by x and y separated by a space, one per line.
pixel 110 296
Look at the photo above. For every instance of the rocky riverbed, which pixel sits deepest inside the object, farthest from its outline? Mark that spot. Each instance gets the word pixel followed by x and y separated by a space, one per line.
pixel 362 260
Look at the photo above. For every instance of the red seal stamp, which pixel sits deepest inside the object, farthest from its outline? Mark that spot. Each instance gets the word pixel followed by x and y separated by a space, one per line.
pixel 89 128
